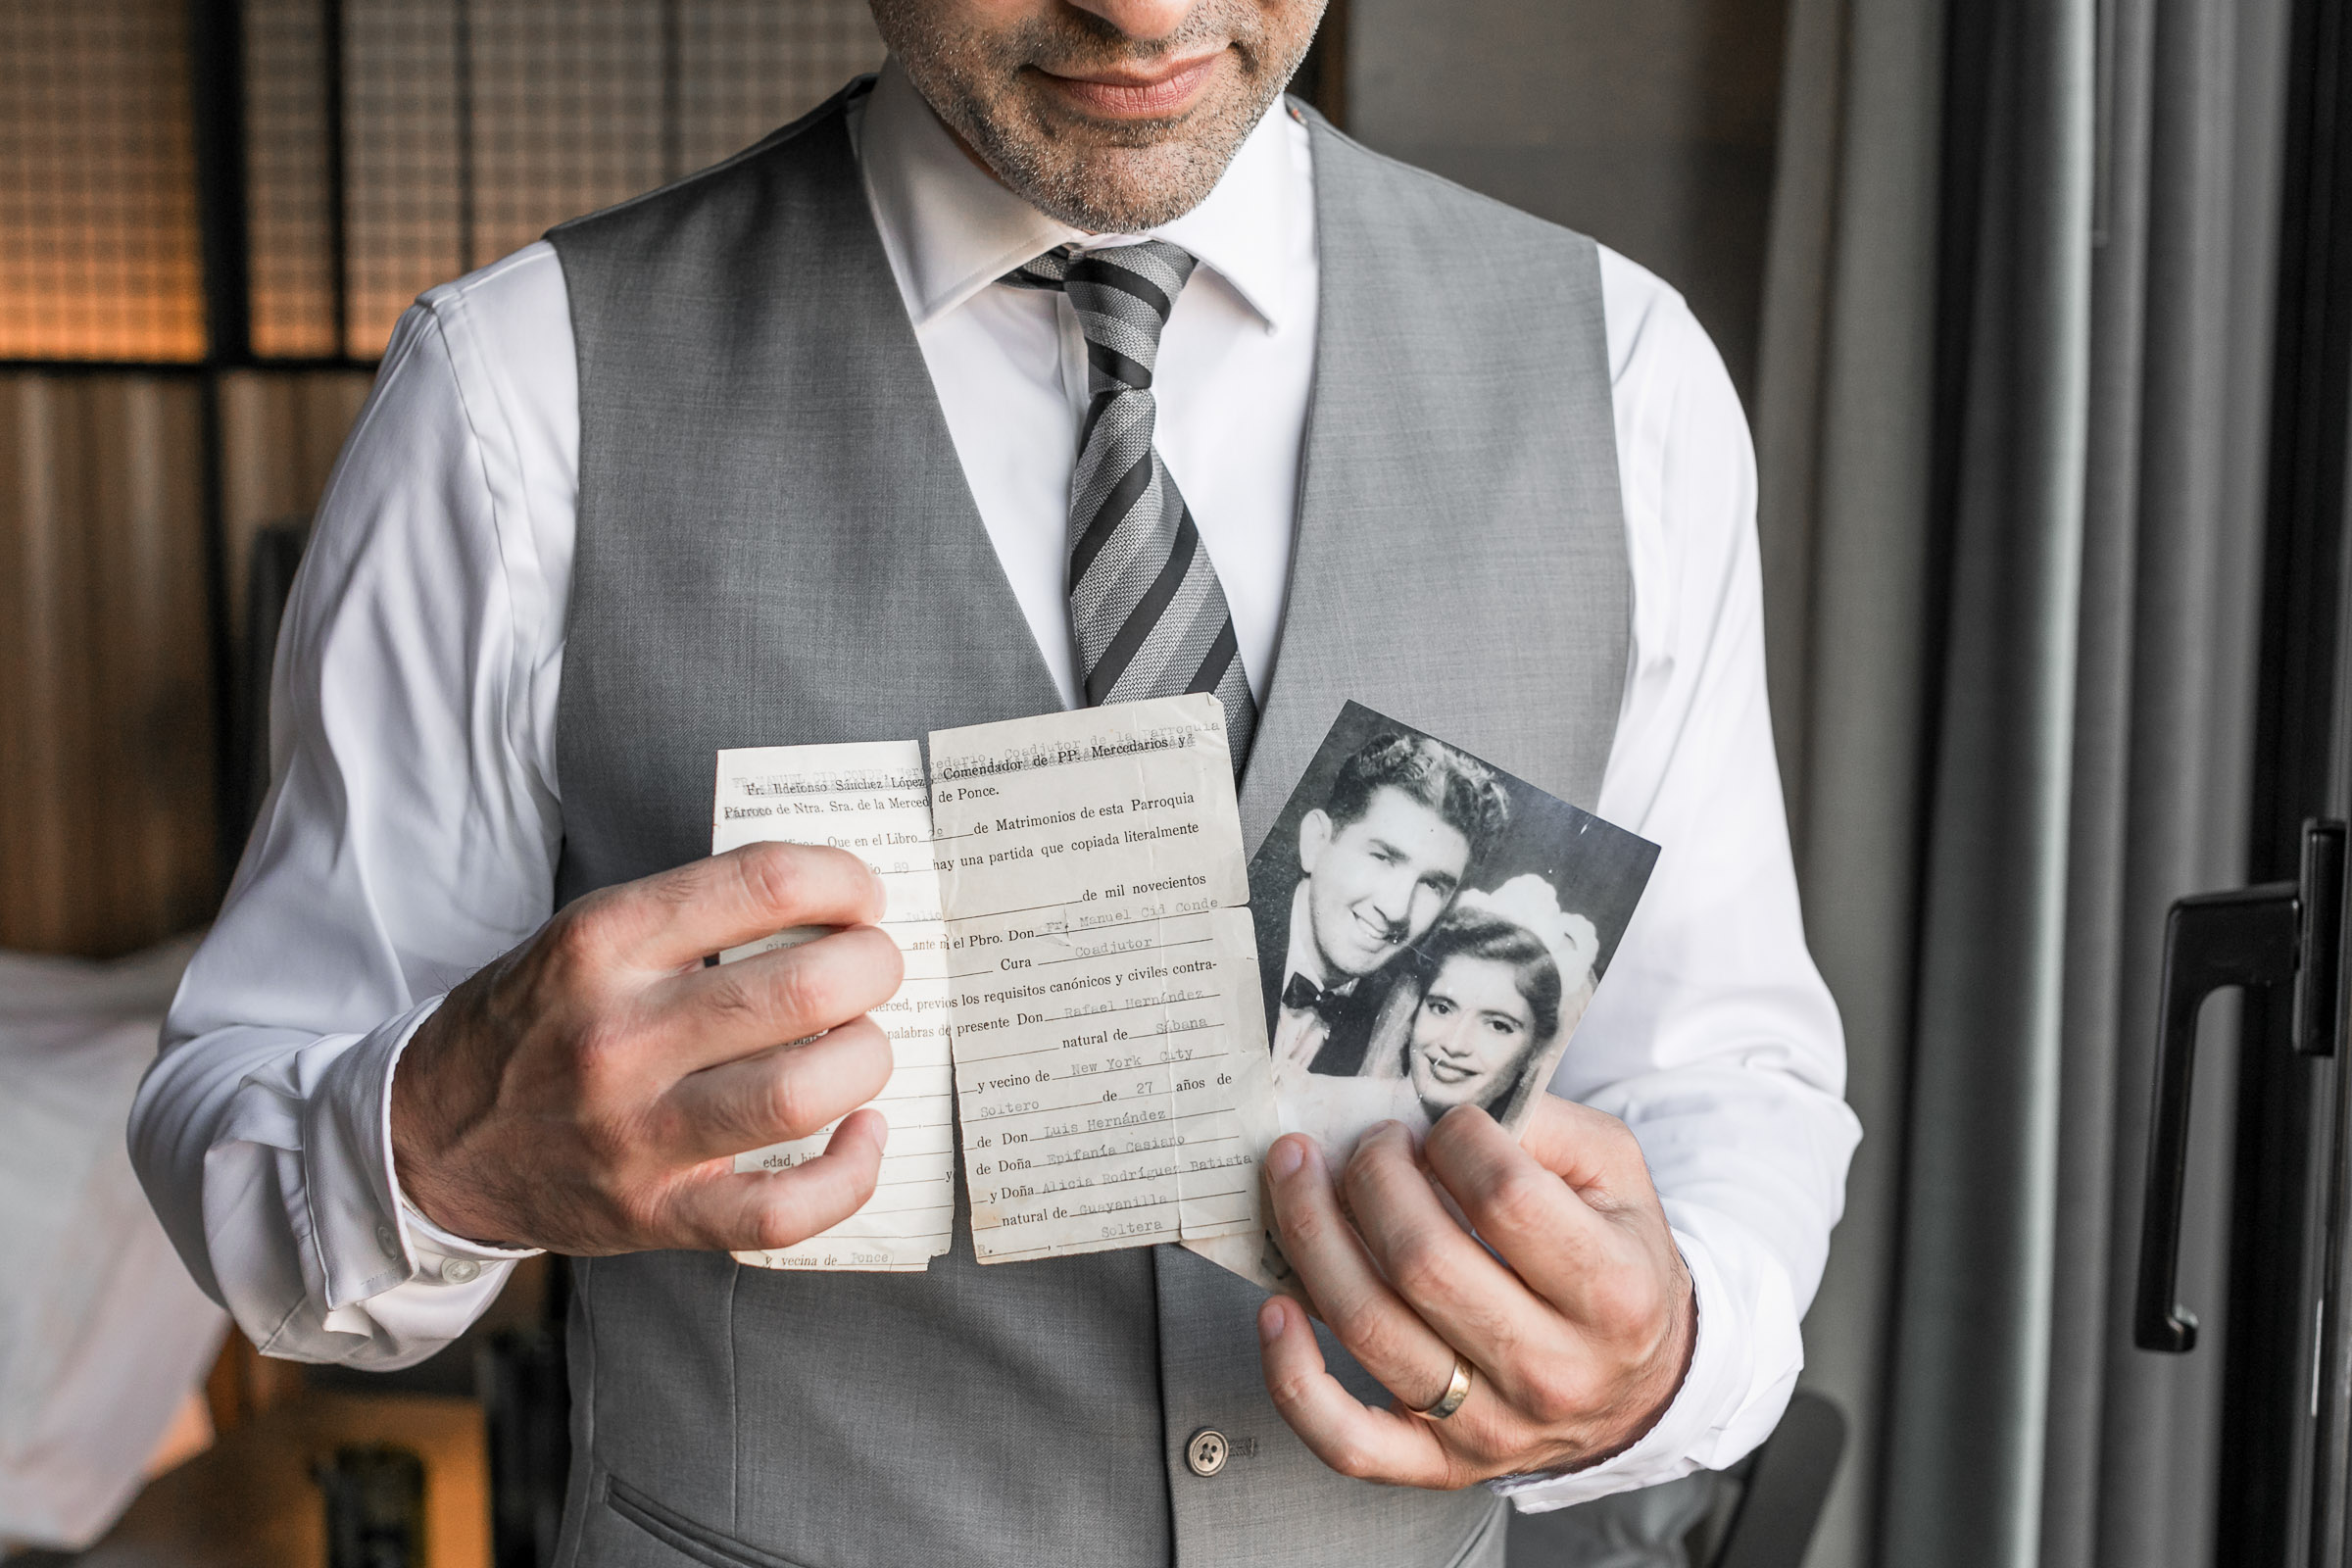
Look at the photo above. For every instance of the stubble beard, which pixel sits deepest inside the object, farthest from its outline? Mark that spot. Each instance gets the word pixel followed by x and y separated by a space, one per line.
pixel 1104 177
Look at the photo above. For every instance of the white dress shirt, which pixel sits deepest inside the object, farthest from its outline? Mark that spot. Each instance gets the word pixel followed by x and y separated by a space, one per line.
pixel 413 825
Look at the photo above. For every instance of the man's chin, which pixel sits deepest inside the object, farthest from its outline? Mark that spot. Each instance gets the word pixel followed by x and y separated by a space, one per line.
pixel 1114 179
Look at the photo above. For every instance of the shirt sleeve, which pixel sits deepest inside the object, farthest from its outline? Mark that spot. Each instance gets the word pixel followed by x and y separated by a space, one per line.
pixel 409 836
pixel 1713 1036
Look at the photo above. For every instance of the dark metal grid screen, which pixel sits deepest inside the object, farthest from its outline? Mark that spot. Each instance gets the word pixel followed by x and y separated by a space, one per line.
pixel 468 126
pixel 402 202
pixel 389 145
pixel 290 181
pixel 99 251
pixel 750 65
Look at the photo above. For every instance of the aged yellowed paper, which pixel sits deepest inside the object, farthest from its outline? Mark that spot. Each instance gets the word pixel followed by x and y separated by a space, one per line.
pixel 1082 983
pixel 1111 1067
pixel 869 800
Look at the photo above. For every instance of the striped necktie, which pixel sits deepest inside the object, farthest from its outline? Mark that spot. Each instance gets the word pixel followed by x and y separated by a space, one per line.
pixel 1145 605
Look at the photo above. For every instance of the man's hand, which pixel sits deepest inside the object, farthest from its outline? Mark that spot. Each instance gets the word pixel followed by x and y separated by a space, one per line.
pixel 587 1091
pixel 1577 1346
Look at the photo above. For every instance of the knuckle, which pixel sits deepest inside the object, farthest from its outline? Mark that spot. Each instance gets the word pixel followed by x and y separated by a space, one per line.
pixel 1354 1461
pixel 1288 1390
pixel 885 965
pixel 785 1104
pixel 1521 1200
pixel 1562 1396
pixel 576 941
pixel 1623 1302
pixel 598 1048
pixel 1549 1398
pixel 807 992
pixel 814 1204
pixel 728 997
pixel 1418 1266
pixel 778 1227
pixel 1302 1224
pixel 1356 1321
pixel 1365 1165
pixel 772 877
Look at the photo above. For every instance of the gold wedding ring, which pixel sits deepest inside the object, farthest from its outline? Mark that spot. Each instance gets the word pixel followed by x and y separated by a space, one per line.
pixel 1456 1391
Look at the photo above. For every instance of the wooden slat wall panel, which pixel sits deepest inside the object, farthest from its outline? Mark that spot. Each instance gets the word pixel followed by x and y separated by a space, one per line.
pixel 106 713
pixel 107 729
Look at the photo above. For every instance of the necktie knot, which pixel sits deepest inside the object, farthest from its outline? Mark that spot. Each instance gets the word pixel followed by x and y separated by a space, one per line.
pixel 1123 296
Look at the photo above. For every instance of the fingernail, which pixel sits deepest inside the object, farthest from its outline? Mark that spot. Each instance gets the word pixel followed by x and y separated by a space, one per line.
pixel 1271 1320
pixel 1285 1160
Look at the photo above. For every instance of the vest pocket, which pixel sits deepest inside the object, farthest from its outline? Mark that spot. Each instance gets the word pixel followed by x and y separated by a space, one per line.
pixel 682 1535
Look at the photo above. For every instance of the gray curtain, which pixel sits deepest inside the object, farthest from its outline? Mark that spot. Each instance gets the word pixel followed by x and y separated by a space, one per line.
pixel 2016 347
pixel 1842 426
pixel 1971 1357
pixel 2180 338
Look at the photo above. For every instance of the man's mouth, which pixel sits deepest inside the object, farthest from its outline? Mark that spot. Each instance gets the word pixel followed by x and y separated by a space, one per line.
pixel 1445 1070
pixel 1139 91
pixel 1378 933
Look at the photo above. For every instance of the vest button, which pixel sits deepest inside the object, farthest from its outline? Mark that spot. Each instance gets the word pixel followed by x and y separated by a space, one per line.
pixel 1208 1450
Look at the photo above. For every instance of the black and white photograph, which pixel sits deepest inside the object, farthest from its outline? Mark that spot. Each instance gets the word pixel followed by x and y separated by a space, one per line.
pixel 1429 929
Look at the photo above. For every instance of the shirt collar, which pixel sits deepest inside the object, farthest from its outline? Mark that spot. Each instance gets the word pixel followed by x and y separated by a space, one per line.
pixel 951 230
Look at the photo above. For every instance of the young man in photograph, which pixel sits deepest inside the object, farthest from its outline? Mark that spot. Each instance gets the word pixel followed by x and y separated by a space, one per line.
pixel 1064 362
pixel 1378 861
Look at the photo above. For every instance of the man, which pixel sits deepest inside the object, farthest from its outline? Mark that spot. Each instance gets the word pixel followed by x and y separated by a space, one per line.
pixel 980 390
pixel 1379 861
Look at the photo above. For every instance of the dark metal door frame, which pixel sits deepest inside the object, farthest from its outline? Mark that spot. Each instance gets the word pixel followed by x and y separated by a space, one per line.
pixel 2287 1409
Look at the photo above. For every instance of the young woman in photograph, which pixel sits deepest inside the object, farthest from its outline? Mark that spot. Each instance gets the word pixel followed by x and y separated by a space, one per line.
pixel 1473 1020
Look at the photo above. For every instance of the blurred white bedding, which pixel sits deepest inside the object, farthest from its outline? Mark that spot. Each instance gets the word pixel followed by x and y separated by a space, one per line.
pixel 102 1333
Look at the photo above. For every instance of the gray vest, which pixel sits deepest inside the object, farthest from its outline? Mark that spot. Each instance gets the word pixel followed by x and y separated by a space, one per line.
pixel 777 546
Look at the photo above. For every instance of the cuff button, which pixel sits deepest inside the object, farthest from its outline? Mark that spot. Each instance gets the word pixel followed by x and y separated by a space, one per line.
pixel 387 1241
pixel 460 1270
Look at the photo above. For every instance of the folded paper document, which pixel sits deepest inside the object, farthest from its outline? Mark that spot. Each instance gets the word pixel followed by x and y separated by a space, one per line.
pixel 1071 897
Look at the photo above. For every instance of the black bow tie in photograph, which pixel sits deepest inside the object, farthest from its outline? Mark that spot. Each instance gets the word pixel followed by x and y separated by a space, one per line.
pixel 1300 994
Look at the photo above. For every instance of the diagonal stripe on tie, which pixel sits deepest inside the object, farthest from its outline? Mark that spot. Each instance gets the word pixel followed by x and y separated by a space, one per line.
pixel 1146 610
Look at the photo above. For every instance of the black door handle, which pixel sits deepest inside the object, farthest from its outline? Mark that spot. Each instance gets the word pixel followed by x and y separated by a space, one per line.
pixel 2256 935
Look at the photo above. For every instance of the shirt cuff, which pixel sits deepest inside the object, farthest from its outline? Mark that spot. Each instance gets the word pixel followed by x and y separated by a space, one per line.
pixel 450 1258
pixel 1716 1408
pixel 366 1239
pixel 442 1256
